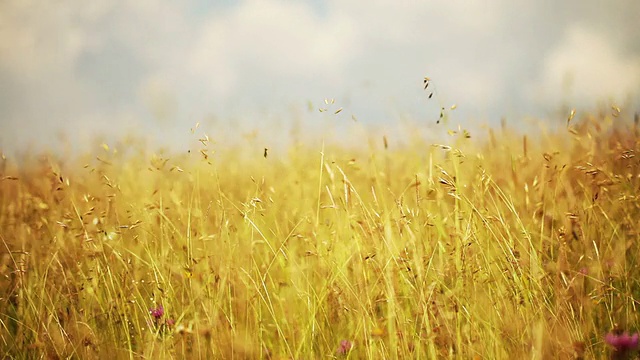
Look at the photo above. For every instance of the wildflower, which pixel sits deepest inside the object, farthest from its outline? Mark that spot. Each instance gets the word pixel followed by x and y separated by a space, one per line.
pixel 345 347
pixel 157 312
pixel 170 322
pixel 622 344
pixel 183 330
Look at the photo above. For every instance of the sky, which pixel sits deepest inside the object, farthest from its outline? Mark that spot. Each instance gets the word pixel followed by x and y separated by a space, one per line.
pixel 157 68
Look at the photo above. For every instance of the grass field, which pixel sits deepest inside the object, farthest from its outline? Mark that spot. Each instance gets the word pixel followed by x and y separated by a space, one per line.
pixel 495 246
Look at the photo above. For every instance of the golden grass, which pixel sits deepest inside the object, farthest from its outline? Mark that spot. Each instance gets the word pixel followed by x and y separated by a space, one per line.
pixel 514 247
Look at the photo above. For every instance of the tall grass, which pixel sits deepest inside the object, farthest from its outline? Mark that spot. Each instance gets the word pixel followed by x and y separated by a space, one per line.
pixel 511 247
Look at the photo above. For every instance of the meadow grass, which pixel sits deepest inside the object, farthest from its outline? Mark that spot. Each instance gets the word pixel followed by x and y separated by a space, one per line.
pixel 502 246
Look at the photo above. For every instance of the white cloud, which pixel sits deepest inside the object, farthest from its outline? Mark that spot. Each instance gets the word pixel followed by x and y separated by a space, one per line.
pixel 270 41
pixel 63 63
pixel 585 68
pixel 40 39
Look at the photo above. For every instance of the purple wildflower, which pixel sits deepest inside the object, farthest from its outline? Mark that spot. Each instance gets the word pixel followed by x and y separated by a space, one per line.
pixel 345 347
pixel 157 312
pixel 622 342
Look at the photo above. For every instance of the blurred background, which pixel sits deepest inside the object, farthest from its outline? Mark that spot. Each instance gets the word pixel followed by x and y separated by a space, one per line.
pixel 72 70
